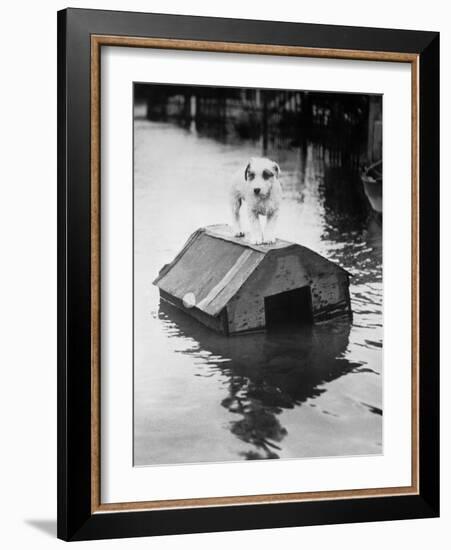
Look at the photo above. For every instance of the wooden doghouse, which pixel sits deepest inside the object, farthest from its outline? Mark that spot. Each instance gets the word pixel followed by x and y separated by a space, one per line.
pixel 232 286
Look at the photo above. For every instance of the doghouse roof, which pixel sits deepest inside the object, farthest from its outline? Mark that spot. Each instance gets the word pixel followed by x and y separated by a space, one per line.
pixel 213 265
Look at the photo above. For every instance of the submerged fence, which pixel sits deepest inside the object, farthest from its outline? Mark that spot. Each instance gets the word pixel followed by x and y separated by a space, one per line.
pixel 345 124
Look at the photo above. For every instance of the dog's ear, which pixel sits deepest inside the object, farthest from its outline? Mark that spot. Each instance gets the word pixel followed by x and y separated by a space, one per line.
pixel 276 169
pixel 247 171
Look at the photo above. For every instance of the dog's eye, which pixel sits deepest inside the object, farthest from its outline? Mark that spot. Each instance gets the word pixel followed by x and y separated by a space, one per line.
pixel 250 176
pixel 267 174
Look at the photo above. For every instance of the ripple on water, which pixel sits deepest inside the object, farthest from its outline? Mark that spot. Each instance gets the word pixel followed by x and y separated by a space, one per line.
pixel 305 392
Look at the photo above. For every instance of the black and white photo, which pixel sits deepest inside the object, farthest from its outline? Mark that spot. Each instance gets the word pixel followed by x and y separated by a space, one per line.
pixel 258 280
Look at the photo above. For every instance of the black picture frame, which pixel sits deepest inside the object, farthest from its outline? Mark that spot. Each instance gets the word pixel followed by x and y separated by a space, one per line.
pixel 76 520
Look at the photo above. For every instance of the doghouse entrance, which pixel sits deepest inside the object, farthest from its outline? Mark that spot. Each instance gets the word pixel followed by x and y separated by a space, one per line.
pixel 293 307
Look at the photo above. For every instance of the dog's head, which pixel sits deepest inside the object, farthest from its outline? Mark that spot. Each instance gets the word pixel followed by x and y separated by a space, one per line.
pixel 260 175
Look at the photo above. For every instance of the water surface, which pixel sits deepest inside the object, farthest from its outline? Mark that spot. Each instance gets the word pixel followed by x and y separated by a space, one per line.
pixel 307 392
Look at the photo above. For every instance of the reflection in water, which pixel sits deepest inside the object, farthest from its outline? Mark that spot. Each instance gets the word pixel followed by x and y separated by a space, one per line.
pixel 199 396
pixel 265 372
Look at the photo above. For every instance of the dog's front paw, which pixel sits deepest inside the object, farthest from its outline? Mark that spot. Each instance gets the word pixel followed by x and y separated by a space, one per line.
pixel 239 234
pixel 269 240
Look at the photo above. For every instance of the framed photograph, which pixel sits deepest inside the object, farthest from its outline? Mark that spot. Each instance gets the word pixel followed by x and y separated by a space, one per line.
pixel 248 274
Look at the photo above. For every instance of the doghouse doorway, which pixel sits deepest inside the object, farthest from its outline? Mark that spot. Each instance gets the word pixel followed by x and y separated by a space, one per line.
pixel 293 307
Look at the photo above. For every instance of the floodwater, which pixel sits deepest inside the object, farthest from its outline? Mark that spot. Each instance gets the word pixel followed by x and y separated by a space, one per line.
pixel 309 392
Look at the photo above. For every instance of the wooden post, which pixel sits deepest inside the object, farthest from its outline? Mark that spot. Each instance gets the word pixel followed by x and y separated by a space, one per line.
pixel 264 124
pixel 374 146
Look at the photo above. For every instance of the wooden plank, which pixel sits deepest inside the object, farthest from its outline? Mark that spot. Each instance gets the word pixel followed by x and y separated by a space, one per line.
pixel 237 266
pixel 166 268
pixel 216 323
pixel 231 283
pixel 202 267
pixel 224 232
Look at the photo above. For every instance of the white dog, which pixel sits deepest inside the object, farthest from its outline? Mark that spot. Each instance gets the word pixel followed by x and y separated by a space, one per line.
pixel 259 187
